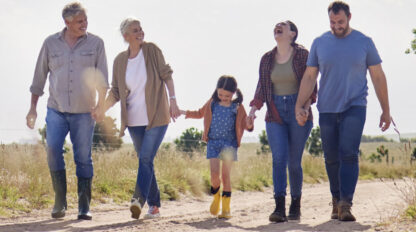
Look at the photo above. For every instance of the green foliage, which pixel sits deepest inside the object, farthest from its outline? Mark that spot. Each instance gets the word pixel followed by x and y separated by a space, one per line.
pixel 106 135
pixel 265 148
pixel 412 45
pixel 374 158
pixel 190 140
pixel 411 212
pixel 383 152
pixel 314 143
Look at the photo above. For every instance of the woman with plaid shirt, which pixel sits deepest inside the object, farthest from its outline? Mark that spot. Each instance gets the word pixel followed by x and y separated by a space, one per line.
pixel 280 74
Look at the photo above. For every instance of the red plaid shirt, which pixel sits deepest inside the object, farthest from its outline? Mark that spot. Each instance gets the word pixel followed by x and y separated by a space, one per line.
pixel 264 91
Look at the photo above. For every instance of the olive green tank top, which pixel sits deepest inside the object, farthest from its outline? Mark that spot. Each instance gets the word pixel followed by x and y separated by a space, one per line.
pixel 284 79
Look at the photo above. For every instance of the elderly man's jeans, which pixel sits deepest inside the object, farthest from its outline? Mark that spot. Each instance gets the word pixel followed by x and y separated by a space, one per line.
pixel 287 142
pixel 80 128
pixel 341 135
pixel 146 143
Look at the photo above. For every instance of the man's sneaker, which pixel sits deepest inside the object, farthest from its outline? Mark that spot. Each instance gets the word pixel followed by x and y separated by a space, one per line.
pixel 135 208
pixel 152 213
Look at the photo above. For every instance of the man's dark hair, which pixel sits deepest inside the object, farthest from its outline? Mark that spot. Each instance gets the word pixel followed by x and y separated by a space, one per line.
pixel 337 6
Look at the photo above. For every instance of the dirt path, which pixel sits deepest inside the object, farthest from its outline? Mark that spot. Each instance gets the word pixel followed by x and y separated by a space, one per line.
pixel 374 202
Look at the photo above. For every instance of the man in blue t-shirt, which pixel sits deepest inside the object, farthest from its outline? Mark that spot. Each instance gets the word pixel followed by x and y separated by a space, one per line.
pixel 342 56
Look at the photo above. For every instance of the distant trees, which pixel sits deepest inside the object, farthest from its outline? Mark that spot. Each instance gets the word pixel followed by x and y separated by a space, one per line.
pixel 370 139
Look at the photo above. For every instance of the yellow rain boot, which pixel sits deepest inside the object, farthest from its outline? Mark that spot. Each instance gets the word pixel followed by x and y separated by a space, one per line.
pixel 215 205
pixel 226 211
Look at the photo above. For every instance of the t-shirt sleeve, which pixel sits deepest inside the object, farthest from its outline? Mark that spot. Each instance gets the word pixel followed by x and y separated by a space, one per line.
pixel 373 58
pixel 313 56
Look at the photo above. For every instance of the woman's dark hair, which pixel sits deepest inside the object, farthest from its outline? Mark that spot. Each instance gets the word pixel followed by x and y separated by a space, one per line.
pixel 294 29
pixel 337 6
pixel 230 84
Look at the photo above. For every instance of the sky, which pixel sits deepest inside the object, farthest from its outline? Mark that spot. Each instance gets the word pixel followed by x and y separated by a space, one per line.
pixel 202 40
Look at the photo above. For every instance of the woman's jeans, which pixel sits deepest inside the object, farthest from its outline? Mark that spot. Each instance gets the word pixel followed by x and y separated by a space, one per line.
pixel 287 142
pixel 341 136
pixel 81 128
pixel 146 143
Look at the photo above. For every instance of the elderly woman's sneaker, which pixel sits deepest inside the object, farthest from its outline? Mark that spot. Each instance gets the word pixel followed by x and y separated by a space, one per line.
pixel 135 208
pixel 152 213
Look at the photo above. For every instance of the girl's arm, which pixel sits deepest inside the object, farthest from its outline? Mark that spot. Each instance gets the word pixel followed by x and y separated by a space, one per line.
pixel 197 113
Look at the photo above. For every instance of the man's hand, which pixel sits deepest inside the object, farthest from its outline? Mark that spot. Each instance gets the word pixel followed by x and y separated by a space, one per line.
pixel 98 114
pixel 31 118
pixel 385 120
pixel 301 115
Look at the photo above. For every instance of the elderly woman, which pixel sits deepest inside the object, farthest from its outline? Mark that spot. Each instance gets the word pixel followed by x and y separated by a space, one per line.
pixel 140 75
pixel 281 71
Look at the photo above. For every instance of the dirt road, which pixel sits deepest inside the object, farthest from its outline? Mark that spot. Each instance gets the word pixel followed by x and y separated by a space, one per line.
pixel 374 202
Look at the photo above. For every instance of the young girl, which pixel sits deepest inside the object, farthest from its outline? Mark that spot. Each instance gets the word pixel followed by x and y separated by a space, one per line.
pixel 225 120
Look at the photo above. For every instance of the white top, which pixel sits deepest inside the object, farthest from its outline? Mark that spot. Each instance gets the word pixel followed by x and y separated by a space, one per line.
pixel 136 77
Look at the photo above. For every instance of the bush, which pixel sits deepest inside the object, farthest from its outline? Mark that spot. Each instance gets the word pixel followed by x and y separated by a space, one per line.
pixel 190 140
pixel 265 148
pixel 106 135
pixel 314 143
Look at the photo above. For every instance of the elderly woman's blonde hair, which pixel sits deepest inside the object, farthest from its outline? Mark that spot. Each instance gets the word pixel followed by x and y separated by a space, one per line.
pixel 72 9
pixel 124 26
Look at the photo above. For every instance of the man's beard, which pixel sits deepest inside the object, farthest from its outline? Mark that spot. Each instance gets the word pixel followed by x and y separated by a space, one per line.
pixel 343 33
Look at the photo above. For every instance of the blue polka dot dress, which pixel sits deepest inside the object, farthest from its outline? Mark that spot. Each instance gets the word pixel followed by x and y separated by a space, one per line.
pixel 222 141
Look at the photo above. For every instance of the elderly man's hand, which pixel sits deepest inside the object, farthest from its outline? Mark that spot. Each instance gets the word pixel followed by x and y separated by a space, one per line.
pixel 98 114
pixel 31 118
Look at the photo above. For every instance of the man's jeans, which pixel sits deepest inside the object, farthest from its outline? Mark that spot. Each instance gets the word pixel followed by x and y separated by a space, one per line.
pixel 146 143
pixel 341 135
pixel 80 128
pixel 287 142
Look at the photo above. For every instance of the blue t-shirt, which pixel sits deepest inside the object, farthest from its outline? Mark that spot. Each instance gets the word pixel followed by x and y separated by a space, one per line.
pixel 223 122
pixel 343 64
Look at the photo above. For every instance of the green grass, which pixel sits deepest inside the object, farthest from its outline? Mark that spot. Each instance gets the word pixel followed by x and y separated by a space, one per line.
pixel 25 182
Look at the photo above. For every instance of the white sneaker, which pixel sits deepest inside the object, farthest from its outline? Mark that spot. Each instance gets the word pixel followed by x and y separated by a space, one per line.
pixel 135 208
pixel 152 213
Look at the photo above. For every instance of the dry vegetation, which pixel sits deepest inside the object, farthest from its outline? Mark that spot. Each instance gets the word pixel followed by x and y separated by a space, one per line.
pixel 25 181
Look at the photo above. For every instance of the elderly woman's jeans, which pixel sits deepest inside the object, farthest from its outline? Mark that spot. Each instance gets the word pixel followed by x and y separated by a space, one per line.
pixel 341 136
pixel 287 142
pixel 80 128
pixel 146 143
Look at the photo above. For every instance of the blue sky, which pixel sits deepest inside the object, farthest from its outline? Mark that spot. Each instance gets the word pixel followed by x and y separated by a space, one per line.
pixel 203 40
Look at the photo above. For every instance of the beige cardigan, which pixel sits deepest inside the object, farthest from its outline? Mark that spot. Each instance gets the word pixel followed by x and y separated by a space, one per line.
pixel 155 92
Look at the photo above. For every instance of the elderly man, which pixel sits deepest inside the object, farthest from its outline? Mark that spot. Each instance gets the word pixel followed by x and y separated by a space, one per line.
pixel 342 56
pixel 76 63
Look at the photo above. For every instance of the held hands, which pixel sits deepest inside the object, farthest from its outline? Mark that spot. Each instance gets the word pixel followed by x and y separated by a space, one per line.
pixel 31 118
pixel 385 120
pixel 250 118
pixel 301 115
pixel 97 113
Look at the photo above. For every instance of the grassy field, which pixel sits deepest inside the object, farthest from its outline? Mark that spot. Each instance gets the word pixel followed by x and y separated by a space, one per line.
pixel 25 180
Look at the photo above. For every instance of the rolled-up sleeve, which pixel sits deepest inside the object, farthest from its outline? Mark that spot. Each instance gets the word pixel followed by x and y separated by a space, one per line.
pixel 101 66
pixel 165 71
pixel 41 72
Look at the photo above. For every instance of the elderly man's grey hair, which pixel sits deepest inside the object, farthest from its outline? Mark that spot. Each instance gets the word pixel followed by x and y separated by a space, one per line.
pixel 72 9
pixel 124 26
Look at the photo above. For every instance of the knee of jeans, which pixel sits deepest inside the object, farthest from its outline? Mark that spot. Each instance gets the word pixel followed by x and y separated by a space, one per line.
pixel 350 158
pixel 145 161
pixel 331 161
pixel 294 167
